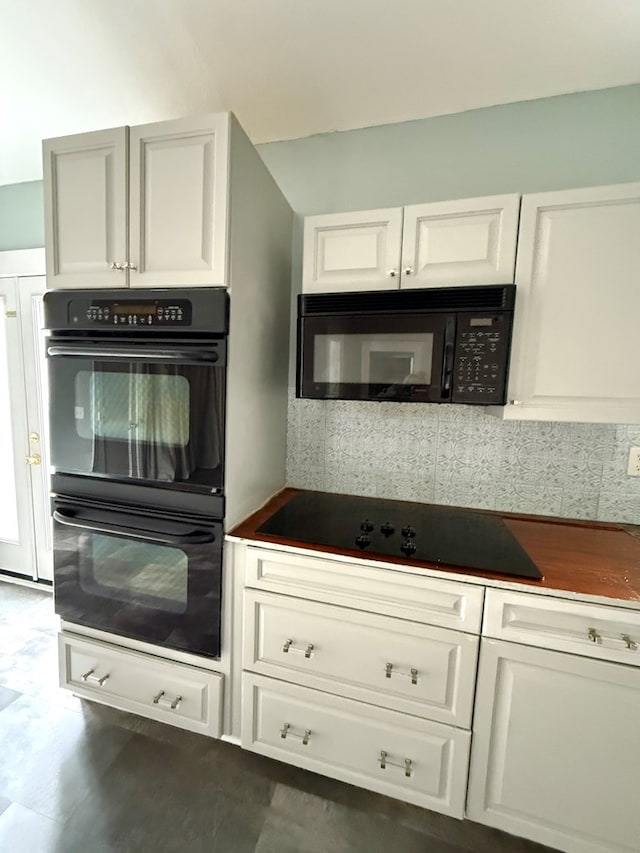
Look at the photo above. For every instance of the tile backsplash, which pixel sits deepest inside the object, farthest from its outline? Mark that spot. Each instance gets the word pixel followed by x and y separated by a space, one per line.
pixel 462 455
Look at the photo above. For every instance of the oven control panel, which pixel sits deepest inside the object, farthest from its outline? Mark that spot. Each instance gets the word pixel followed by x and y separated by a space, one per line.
pixel 124 312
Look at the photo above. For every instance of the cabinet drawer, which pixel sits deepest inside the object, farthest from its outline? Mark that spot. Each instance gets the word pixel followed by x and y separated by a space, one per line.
pixel 385 590
pixel 609 633
pixel 417 669
pixel 163 690
pixel 357 743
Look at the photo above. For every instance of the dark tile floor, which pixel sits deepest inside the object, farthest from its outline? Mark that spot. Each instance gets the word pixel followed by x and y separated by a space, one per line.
pixel 76 777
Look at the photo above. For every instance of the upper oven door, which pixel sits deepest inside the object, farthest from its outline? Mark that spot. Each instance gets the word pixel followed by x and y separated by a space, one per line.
pixel 403 357
pixel 139 410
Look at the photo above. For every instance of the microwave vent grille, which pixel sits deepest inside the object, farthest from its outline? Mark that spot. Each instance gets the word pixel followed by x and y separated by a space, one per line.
pixel 480 298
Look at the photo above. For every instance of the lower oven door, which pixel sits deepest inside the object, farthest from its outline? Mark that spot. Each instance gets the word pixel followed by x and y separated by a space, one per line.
pixel 148 576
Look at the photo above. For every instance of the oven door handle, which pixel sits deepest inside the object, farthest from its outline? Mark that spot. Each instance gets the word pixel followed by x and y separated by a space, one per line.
pixel 138 354
pixel 196 537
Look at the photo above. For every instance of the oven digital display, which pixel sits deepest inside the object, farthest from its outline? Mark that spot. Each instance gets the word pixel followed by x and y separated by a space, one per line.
pixel 131 308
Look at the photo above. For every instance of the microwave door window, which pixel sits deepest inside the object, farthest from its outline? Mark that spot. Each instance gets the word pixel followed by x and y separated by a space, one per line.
pixel 379 361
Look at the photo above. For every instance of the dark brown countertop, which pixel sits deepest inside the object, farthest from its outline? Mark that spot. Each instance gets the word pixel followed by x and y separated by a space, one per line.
pixel 578 557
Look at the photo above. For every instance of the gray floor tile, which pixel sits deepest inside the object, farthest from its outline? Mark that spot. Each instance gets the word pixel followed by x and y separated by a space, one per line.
pixel 25 831
pixel 154 797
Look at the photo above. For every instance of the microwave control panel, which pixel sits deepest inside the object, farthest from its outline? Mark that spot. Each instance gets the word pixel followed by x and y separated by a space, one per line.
pixel 481 358
pixel 124 312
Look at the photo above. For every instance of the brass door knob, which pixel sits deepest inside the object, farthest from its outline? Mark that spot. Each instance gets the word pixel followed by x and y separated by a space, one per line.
pixel 34 459
pixel 34 437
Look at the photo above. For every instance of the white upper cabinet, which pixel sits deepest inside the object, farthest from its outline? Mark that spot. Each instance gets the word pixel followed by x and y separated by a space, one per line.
pixel 460 243
pixel 178 202
pixel 352 251
pixel 443 244
pixel 153 213
pixel 85 202
pixel 576 346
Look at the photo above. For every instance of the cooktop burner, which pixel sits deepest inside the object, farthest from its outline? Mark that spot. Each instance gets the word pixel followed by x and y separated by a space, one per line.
pixel 427 532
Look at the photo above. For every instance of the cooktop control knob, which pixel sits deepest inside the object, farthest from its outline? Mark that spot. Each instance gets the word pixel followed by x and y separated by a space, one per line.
pixel 387 528
pixel 408 532
pixel 363 540
pixel 408 547
pixel 367 526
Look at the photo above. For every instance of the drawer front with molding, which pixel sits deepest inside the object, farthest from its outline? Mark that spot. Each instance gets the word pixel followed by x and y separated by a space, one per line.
pixel 385 590
pixel 417 669
pixel 181 695
pixel 415 760
pixel 608 633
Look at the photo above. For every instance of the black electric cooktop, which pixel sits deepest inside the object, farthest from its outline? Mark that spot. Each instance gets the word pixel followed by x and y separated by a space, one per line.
pixel 426 532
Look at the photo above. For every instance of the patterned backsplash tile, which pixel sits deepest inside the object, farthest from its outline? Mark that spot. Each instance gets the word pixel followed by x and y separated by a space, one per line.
pixel 463 456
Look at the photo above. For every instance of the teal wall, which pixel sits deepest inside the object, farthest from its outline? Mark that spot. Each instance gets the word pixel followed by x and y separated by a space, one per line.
pixel 553 143
pixel 21 216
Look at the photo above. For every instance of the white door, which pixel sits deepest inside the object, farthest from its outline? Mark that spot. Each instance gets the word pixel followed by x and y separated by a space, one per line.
pixel 458 243
pixel 178 202
pixel 25 527
pixel 85 205
pixel 352 251
pixel 555 749
pixel 576 346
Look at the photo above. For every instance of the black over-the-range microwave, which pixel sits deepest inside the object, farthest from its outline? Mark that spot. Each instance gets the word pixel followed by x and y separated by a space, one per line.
pixel 433 345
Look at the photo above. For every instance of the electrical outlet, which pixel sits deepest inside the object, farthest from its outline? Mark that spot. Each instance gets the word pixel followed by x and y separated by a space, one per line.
pixel 633 469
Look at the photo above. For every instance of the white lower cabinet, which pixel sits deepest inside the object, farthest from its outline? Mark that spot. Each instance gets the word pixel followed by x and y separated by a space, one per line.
pixel 173 693
pixel 355 671
pixel 556 748
pixel 416 760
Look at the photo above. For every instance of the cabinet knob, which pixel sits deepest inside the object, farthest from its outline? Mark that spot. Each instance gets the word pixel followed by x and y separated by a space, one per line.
pixel 115 266
pixel 393 273
pixel 408 270
pixel 129 266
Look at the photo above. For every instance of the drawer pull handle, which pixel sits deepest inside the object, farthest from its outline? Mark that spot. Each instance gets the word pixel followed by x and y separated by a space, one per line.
pixel 94 679
pixel 631 644
pixel 289 647
pixel 412 674
pixel 287 730
pixel 594 636
pixel 167 703
pixel 407 766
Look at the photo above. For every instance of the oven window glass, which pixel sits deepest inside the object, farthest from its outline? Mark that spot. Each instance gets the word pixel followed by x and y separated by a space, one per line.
pixel 142 406
pixel 373 359
pixel 143 573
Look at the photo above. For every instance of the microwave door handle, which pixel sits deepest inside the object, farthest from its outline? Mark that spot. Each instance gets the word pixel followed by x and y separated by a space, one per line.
pixel 137 354
pixel 447 361
pixel 194 538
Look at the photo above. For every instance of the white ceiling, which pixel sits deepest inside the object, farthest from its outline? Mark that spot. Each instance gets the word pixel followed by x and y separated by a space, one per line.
pixel 291 68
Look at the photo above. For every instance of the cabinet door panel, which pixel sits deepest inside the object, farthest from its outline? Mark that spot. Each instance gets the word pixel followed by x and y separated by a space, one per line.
pixel 556 757
pixel 576 346
pixel 179 203
pixel 352 251
pixel 85 180
pixel 459 243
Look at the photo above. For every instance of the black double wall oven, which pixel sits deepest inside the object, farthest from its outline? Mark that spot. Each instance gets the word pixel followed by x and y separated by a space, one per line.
pixel 137 390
